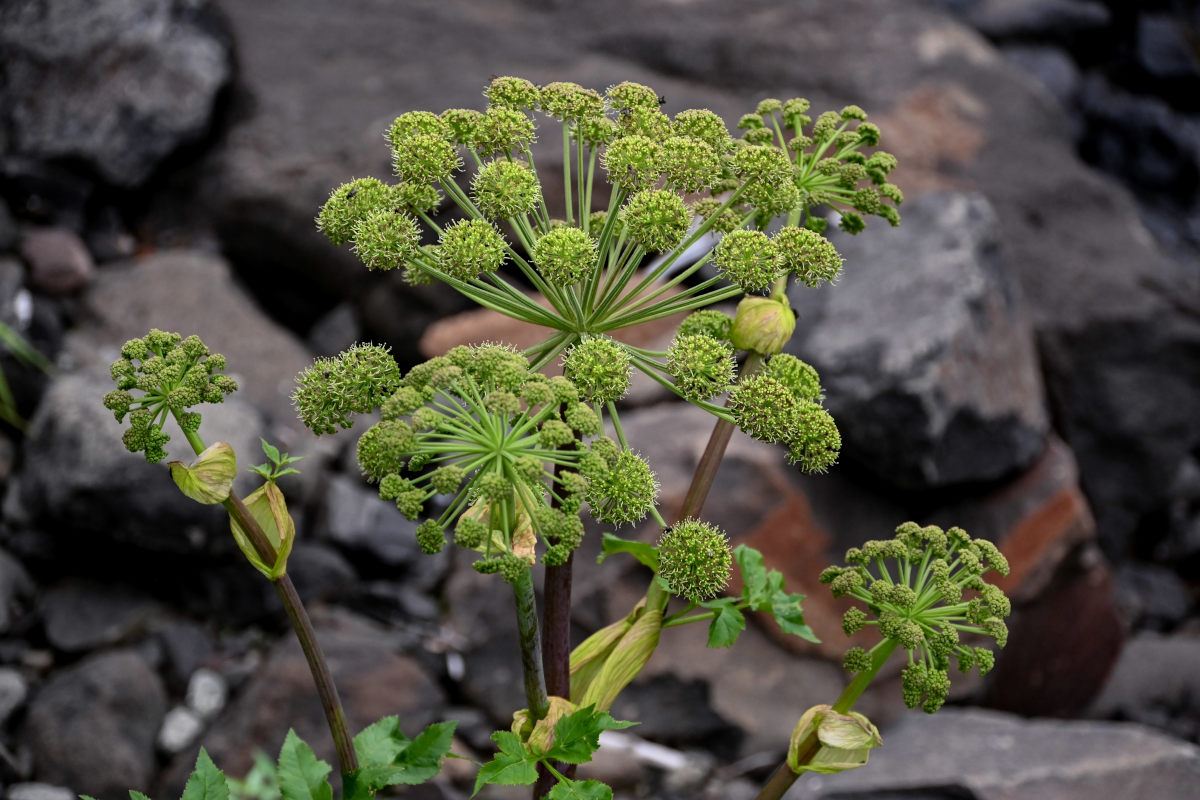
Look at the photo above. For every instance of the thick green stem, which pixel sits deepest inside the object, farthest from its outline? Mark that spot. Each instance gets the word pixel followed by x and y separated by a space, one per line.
pixel 301 625
pixel 783 777
pixel 531 647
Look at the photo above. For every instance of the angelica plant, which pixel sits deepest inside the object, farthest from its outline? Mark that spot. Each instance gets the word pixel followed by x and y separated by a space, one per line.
pixel 488 453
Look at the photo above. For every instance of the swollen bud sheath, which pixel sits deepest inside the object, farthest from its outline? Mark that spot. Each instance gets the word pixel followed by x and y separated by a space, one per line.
pixel 762 325
pixel 209 478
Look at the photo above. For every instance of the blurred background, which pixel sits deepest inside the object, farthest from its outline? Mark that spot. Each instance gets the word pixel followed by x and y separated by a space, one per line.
pixel 1021 357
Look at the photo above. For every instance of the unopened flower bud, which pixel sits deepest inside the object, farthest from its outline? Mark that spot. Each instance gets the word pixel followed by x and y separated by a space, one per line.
pixel 762 325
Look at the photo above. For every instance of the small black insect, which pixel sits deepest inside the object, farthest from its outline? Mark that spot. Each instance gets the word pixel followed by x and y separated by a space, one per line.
pixel 625 112
pixel 351 193
pixel 662 99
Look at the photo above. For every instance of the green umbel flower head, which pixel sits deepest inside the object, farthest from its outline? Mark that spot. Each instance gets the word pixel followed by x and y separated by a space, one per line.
pixel 656 219
pixel 621 486
pixel 807 255
pixel 770 411
pixel 477 426
pixel 357 381
pixel 701 365
pixel 920 602
pixel 708 322
pixel 505 189
pixel 564 255
pixel 470 247
pixel 348 204
pixel 748 259
pixel 702 124
pixel 424 158
pixel 164 373
pixel 694 559
pixel 628 94
pixel 600 368
pixel 690 164
pixel 632 163
pixel 385 238
pixel 510 92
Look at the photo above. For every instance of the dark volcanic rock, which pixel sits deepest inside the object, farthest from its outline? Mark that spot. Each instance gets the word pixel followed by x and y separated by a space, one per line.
pixel 924 351
pixel 118 85
pixel 999 757
pixel 1155 682
pixel 678 713
pixel 16 591
pixel 356 520
pixel 92 727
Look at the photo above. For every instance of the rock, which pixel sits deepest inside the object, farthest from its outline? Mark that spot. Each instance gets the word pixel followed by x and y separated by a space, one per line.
pixel 1051 67
pixel 119 86
pixel 335 331
pixel 92 727
pixel 130 297
pixel 991 756
pixel 59 262
pixel 1151 596
pixel 16 592
pixel 678 713
pixel 1155 683
pixel 924 352
pixel 1032 19
pixel 107 237
pixel 1163 49
pixel 186 646
pixel 372 532
pixel 180 727
pixel 39 791
pixel 1142 140
pixel 320 573
pixel 373 681
pixel 8 229
pixel 82 615
pixel 206 693
pixel 14 689
pixel 109 496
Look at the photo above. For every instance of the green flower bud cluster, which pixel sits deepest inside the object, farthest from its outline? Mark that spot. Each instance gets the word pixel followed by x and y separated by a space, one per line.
pixel 694 559
pixel 785 409
pixel 159 374
pixel 703 366
pixel 505 444
pixel 828 166
pixel 504 189
pixel 621 487
pixel 600 367
pixel 919 602
pixel 357 381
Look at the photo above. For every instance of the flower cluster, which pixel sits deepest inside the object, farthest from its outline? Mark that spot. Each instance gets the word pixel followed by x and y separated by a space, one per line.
pixel 673 179
pixel 921 604
pixel 170 374
pixel 781 403
pixel 694 559
pixel 504 443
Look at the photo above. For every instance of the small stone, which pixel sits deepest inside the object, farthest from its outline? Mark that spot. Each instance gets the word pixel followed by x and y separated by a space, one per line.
pixel 13 691
pixel 335 331
pixel 319 572
pixel 1151 596
pixel 186 646
pixel 180 727
pixel 16 590
pixel 59 262
pixel 1163 48
pixel 94 725
pixel 367 528
pixel 39 791
pixel 206 693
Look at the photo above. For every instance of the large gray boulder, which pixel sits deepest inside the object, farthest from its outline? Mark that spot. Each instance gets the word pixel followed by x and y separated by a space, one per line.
pixel 92 727
pixel 985 755
pixel 924 350
pixel 117 85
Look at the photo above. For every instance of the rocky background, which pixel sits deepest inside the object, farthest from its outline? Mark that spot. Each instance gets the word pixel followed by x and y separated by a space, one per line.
pixel 1021 357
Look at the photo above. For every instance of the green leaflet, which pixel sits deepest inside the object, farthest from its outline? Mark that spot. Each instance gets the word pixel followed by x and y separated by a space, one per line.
pixel 512 766
pixel 727 624
pixel 647 554
pixel 301 773
pixel 580 790
pixel 577 735
pixel 206 781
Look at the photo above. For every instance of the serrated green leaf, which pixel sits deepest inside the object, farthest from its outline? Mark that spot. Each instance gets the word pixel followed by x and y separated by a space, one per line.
pixel 357 786
pixel 727 623
pixel 271 451
pixel 645 553
pixel 206 781
pixel 754 574
pixel 580 790
pixel 380 742
pixel 134 795
pixel 301 773
pixel 288 471
pixel 512 766
pixel 423 756
pixel 577 735
pixel 788 613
